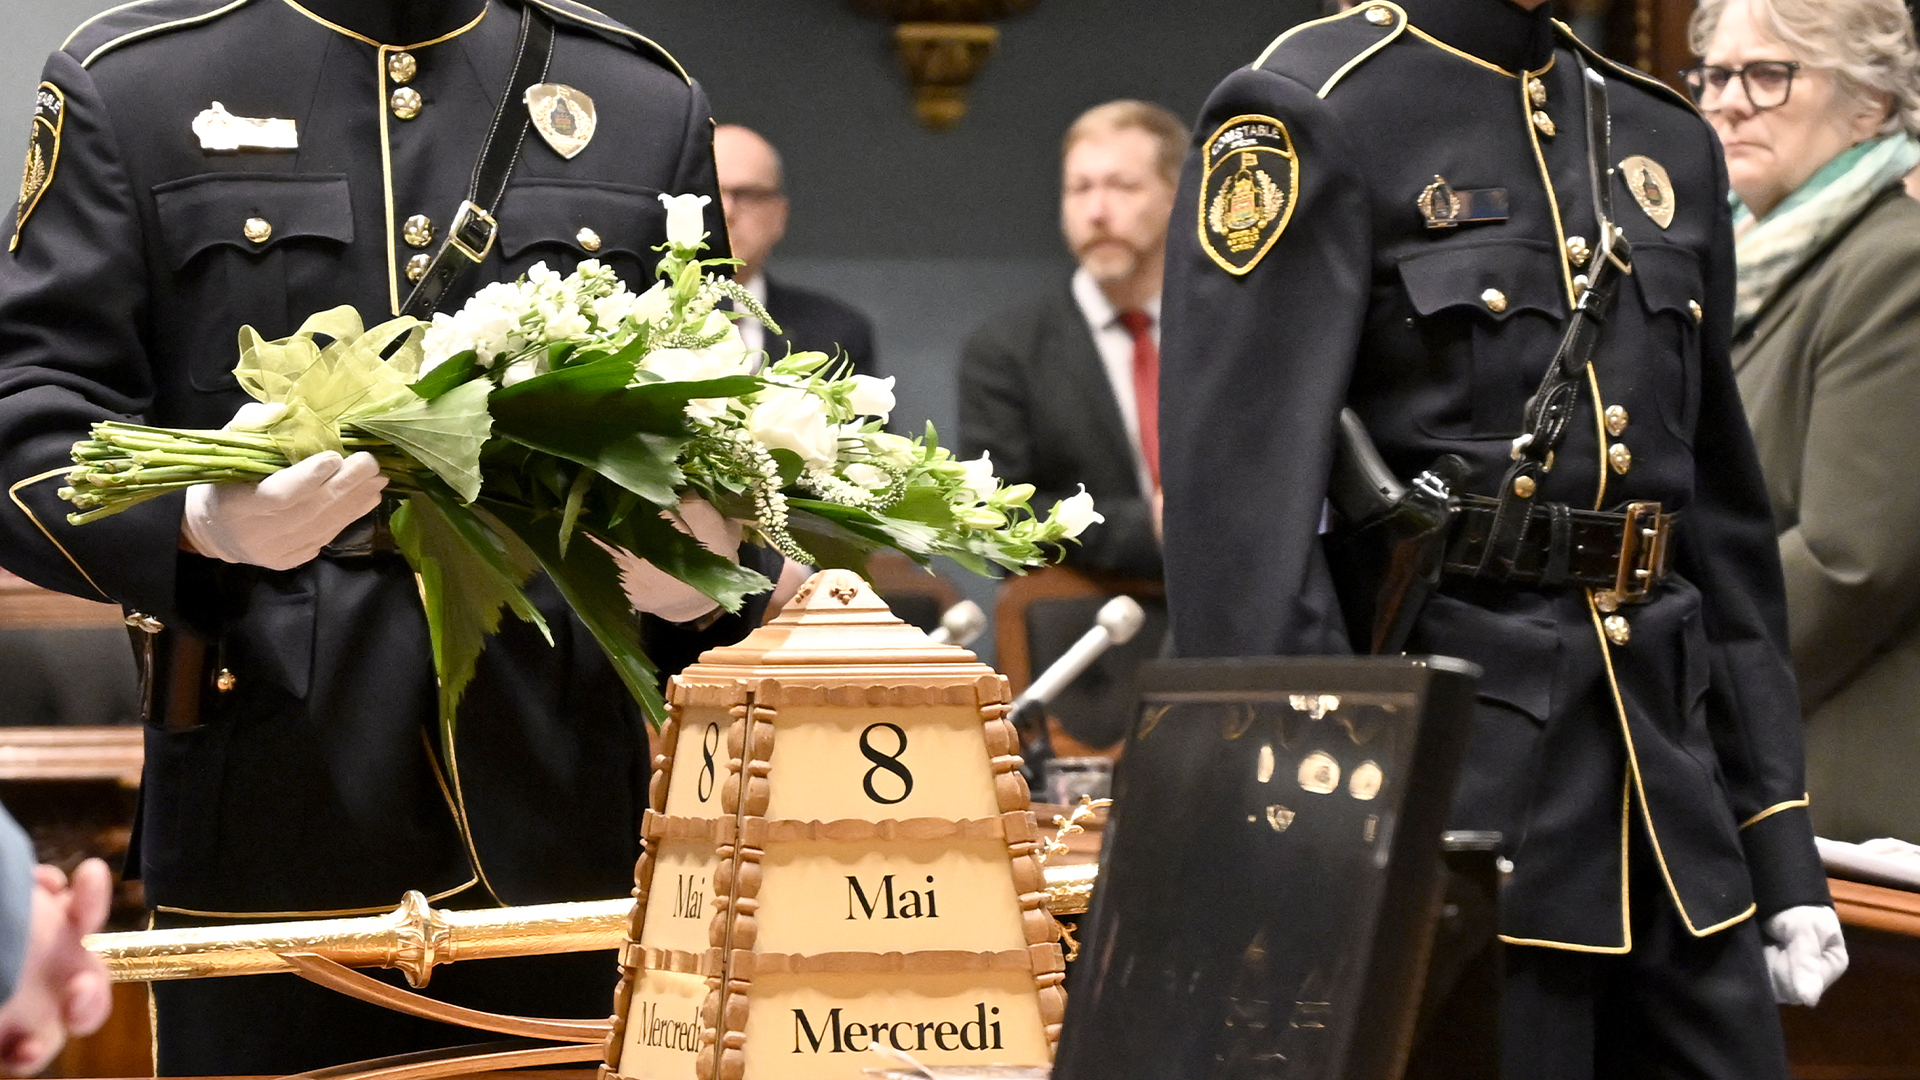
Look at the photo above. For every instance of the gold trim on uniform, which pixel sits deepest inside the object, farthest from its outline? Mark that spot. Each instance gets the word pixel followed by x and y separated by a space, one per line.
pixel 334 913
pixel 14 494
pixel 1647 181
pixel 43 154
pixel 1640 789
pixel 1790 804
pixel 1243 207
pixel 145 31
pixel 1626 894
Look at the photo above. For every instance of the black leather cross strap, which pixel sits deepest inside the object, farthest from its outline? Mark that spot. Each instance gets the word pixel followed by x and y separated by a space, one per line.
pixel 1552 406
pixel 1623 553
pixel 471 234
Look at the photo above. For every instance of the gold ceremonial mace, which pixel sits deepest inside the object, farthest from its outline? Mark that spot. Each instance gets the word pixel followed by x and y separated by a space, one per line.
pixel 416 938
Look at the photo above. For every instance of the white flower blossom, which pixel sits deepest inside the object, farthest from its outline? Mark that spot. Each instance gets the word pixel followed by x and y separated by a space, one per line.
pixel 871 477
pixel 654 305
pixel 563 321
pixel 792 418
pixel 871 396
pixel 686 218
pixel 979 480
pixel 523 369
pixel 1075 512
pixel 611 310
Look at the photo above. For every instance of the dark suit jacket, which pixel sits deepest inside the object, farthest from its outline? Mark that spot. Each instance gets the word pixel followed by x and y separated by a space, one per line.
pixel 815 322
pixel 1035 395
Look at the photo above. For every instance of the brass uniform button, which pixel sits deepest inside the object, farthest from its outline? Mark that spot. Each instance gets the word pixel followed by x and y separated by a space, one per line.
pixel 418 231
pixel 257 230
pixel 405 103
pixel 1577 250
pixel 417 266
pixel 1378 15
pixel 1495 300
pixel 225 681
pixel 1580 285
pixel 1606 601
pixel 401 67
pixel 1694 306
pixel 1544 122
pixel 1620 458
pixel 1616 419
pixel 1617 629
pixel 1523 486
pixel 588 238
pixel 1537 92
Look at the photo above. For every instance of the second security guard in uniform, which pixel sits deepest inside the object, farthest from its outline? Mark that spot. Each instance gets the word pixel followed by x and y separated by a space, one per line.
pixel 1393 210
pixel 199 165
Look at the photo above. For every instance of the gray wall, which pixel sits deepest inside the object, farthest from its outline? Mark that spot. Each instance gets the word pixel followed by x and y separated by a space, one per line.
pixel 929 233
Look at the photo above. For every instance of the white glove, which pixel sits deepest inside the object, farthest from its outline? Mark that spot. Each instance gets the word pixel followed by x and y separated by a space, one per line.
pixel 284 520
pixel 656 592
pixel 1805 953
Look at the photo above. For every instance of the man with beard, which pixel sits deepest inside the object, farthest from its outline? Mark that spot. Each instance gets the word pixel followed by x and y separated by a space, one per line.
pixel 1065 391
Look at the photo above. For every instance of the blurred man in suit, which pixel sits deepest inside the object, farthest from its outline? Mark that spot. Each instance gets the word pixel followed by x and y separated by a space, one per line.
pixel 753 194
pixel 1065 390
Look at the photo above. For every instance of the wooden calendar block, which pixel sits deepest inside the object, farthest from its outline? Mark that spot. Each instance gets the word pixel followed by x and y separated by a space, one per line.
pixel 840 848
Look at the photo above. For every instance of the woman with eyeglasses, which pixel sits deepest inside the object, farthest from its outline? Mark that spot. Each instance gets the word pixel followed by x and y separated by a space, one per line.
pixel 1817 103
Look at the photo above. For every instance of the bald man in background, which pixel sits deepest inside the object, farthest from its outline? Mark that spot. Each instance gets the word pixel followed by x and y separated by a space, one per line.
pixel 753 194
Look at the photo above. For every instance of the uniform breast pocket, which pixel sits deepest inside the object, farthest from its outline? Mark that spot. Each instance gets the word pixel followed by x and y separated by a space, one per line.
pixel 238 240
pixel 1668 281
pixel 1488 315
pixel 562 222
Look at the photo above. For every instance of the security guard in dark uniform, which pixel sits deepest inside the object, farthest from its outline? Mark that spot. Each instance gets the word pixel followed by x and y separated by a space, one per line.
pixel 1393 210
pixel 208 164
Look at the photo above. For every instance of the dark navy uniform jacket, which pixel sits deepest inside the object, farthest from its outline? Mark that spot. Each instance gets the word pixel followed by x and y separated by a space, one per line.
pixel 1436 337
pixel 310 785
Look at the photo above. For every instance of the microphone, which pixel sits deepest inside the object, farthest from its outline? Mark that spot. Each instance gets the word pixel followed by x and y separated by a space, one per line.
pixel 960 624
pixel 1118 620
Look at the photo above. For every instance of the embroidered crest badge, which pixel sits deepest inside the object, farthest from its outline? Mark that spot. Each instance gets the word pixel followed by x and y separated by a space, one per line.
pixel 43 154
pixel 1647 181
pixel 563 116
pixel 1246 198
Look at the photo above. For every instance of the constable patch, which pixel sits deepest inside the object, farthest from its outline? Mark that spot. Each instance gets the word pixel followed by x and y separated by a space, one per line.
pixel 1246 198
pixel 43 153
pixel 1650 186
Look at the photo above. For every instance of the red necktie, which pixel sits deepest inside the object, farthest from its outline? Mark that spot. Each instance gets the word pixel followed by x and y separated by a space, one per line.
pixel 1146 387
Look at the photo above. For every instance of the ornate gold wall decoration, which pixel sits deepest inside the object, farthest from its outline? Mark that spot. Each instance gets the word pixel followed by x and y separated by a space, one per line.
pixel 942 45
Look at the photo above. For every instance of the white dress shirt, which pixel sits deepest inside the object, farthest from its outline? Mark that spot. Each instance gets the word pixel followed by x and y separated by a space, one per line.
pixel 1115 343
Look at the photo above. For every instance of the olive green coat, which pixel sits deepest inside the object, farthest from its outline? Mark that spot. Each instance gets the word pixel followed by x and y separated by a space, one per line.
pixel 1829 370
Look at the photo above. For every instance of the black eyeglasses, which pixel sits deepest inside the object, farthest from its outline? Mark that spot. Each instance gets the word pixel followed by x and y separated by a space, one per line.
pixel 1767 82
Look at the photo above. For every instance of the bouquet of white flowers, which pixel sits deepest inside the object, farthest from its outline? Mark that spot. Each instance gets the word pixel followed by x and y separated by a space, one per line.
pixel 555 407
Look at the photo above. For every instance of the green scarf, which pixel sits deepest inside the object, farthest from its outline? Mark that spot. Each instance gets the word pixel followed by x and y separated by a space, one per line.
pixel 1768 250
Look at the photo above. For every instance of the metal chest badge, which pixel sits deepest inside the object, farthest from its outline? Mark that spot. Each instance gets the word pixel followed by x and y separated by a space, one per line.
pixel 1246 199
pixel 1647 181
pixel 43 153
pixel 563 116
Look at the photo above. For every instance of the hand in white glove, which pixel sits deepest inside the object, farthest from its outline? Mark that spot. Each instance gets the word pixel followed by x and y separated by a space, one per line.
pixel 1805 953
pixel 284 520
pixel 653 590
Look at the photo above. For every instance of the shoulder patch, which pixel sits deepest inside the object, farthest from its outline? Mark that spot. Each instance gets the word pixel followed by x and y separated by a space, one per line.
pixel 1320 53
pixel 130 22
pixel 581 15
pixel 43 154
pixel 1250 180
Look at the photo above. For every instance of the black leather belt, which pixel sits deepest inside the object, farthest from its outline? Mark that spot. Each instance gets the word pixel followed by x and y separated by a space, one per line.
pixel 1623 554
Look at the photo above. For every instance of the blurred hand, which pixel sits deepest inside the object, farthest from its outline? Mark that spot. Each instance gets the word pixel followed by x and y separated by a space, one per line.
pixel 284 520
pixel 1159 509
pixel 1805 953
pixel 792 576
pixel 656 592
pixel 63 989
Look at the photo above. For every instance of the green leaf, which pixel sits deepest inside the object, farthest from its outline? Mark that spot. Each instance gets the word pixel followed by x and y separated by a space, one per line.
pixel 590 581
pixel 470 568
pixel 446 434
pixel 455 370
pixel 576 499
